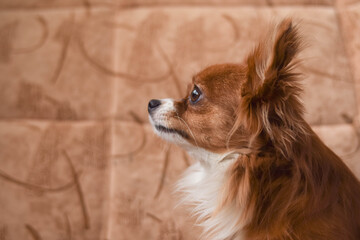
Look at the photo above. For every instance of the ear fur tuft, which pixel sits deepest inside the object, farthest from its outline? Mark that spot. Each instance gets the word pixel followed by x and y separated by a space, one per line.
pixel 271 61
pixel 270 102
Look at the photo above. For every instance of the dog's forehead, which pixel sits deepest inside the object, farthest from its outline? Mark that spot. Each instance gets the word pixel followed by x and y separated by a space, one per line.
pixel 219 76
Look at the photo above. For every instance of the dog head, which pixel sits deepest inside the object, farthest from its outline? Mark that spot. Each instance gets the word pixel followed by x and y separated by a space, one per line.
pixel 233 106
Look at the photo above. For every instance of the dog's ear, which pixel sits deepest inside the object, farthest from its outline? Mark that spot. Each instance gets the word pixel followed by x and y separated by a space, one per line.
pixel 269 95
pixel 269 65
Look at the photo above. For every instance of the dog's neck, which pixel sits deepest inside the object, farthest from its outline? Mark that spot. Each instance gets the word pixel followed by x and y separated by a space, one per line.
pixel 206 158
pixel 202 185
pixel 209 159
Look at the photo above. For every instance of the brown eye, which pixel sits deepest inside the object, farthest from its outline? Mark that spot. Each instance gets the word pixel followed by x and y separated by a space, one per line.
pixel 195 95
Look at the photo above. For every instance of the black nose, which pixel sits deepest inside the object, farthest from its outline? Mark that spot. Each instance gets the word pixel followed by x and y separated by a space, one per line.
pixel 153 104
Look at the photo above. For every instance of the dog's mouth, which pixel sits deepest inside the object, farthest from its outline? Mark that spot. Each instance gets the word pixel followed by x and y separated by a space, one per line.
pixel 163 129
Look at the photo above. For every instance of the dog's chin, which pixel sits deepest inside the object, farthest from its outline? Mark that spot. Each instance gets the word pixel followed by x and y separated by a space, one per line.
pixel 172 135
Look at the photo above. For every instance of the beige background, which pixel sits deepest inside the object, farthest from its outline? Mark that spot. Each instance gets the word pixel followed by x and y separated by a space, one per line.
pixel 78 159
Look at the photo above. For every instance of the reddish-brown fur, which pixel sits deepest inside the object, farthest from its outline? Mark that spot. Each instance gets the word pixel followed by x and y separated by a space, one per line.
pixel 292 185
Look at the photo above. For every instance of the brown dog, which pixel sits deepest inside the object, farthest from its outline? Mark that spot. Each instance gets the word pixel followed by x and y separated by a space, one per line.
pixel 262 173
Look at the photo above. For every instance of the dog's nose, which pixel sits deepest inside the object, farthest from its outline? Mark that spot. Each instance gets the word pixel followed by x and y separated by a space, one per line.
pixel 153 104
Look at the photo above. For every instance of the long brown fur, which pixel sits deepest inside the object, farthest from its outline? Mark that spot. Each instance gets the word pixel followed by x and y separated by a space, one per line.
pixel 297 188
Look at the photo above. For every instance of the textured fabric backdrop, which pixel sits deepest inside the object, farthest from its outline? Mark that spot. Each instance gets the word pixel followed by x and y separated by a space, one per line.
pixel 78 159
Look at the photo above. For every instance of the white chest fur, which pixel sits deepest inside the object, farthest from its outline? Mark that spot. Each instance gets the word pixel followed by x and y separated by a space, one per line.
pixel 201 187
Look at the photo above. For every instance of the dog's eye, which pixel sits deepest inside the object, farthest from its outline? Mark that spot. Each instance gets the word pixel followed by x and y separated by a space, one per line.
pixel 195 95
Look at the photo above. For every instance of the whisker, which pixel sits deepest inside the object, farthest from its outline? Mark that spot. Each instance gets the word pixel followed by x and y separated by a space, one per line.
pixel 192 134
